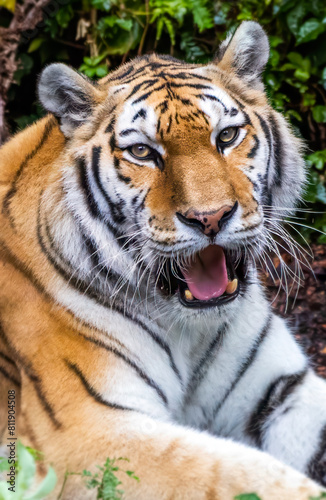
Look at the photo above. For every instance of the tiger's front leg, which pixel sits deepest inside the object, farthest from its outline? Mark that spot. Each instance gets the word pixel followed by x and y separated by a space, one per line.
pixel 275 402
pixel 171 462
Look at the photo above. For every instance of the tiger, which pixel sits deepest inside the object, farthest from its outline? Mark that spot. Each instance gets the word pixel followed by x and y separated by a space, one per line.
pixel 133 320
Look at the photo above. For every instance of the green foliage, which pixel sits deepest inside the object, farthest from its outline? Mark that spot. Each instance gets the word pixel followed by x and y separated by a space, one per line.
pixel 253 496
pixel 25 472
pixel 105 481
pixel 247 496
pixel 109 32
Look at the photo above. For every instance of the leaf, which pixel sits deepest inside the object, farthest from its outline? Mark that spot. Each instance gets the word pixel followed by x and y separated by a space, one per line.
pixel 125 24
pixel 101 71
pixel 317 159
pixel 5 494
pixel 321 193
pixel 4 464
pixel 301 74
pixel 35 44
pixel 170 29
pixel 319 113
pixel 202 15
pixel 310 30
pixel 247 496
pixel 295 16
pixel 292 113
pixel 27 469
pixel 274 58
pixel 101 4
pixel 45 487
pixel 308 99
pixel 64 16
pixel 275 41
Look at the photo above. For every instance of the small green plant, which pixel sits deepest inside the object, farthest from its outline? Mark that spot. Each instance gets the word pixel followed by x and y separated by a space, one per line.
pixel 247 496
pixel 23 483
pixel 105 480
pixel 253 496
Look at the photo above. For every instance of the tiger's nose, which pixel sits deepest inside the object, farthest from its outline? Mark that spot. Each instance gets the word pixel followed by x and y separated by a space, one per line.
pixel 209 223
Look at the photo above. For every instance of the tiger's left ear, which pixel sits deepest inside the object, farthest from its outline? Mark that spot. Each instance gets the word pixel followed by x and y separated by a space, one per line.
pixel 68 95
pixel 245 53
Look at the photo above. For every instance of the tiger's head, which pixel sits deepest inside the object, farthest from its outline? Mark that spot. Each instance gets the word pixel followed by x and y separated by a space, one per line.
pixel 185 165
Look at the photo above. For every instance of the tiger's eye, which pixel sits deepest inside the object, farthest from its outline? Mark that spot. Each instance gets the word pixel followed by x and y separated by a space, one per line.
pixel 228 135
pixel 140 150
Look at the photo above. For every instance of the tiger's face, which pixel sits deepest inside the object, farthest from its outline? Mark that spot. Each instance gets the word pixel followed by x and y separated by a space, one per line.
pixel 184 163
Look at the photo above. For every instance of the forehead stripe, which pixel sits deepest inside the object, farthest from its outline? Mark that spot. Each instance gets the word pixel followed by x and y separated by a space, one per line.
pixel 141 114
pixel 212 98
pixel 127 131
pixel 145 85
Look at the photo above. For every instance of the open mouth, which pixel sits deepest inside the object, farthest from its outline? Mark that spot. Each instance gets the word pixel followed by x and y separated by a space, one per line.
pixel 211 278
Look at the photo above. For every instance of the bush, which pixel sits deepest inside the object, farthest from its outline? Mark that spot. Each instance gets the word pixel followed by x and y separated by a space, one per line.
pixel 97 35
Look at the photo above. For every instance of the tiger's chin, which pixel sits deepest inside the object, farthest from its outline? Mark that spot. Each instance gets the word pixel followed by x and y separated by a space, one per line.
pixel 211 278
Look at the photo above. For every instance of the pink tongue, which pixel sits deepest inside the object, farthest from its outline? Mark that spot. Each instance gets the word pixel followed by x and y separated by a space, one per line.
pixel 206 276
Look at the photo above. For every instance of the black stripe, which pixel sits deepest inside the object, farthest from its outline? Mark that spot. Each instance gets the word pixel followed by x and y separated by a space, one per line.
pixel 255 147
pixel 213 98
pixel 127 131
pixel 317 466
pixel 115 208
pixel 277 150
pixel 92 392
pixel 247 363
pixel 68 274
pixel 158 126
pixel 163 106
pixel 123 75
pixel 188 76
pixel 110 126
pixel 123 178
pixel 142 85
pixel 276 394
pixel 268 137
pixel 12 191
pixel 112 142
pixel 22 268
pixel 6 358
pixel 205 362
pixel 197 86
pixel 34 378
pixel 170 123
pixel 141 114
pixel 143 97
pixel 86 188
pixel 9 377
pixel 84 288
pixel 149 381
pixel 89 196
pixel 71 272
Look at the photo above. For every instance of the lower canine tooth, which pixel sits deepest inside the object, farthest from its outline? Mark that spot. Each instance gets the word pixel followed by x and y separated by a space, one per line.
pixel 188 295
pixel 232 286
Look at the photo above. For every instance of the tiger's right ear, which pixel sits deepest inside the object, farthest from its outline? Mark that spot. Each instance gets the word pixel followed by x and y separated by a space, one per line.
pixel 67 94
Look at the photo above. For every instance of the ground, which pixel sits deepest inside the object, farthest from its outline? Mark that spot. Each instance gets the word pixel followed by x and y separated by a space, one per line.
pixel 307 314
